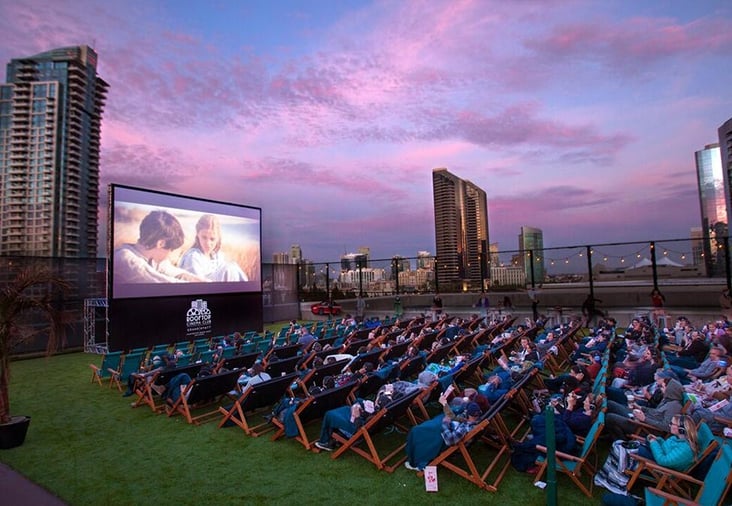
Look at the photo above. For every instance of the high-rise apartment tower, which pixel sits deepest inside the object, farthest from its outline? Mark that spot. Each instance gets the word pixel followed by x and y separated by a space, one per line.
pixel 461 232
pixel 50 119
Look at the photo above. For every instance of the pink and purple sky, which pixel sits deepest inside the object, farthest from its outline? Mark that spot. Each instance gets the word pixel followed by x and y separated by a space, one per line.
pixel 577 117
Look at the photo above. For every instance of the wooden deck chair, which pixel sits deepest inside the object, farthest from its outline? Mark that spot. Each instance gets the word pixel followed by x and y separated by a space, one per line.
pixel 471 373
pixel 428 395
pixel 574 466
pixel 206 357
pixel 186 347
pixel 439 354
pixel 244 361
pixel 411 367
pixel 372 356
pixel 243 412
pixel 395 351
pixel 160 349
pixel 426 341
pixel 145 386
pixel 184 359
pixel 389 415
pixel 282 352
pixel 464 343
pixel 111 361
pixel 201 392
pixel 660 476
pixel 315 376
pixel 352 346
pixel 314 408
pixel 247 348
pixel 369 385
pixel 130 364
pixel 280 367
pixel 713 489
pixel 475 463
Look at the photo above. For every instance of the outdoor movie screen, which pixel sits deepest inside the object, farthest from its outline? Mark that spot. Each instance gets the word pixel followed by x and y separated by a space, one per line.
pixel 168 245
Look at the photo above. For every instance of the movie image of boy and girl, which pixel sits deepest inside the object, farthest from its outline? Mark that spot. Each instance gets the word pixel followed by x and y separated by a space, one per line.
pixel 149 259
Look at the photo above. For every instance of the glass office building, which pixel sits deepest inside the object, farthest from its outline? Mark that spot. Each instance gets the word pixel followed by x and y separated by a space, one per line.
pixel 531 248
pixel 50 119
pixel 713 200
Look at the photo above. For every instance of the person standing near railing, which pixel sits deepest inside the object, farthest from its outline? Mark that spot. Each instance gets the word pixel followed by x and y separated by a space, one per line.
pixel 658 313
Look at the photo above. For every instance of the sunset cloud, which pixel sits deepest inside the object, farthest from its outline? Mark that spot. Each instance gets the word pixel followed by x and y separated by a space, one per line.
pixel 580 117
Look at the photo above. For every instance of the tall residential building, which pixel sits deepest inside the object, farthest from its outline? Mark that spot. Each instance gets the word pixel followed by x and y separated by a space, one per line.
pixel 531 244
pixel 725 147
pixel 50 120
pixel 713 200
pixel 280 257
pixel 461 232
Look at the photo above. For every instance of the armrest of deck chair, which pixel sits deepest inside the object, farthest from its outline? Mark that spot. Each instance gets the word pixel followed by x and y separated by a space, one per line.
pixel 653 465
pixel 565 456
pixel 670 498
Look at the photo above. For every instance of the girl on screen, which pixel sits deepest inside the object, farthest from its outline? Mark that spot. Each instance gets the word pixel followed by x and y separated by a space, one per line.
pixel 205 258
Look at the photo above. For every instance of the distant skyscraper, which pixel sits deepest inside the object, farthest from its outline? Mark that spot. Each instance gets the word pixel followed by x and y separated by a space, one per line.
pixel 697 249
pixel 280 257
pixel 425 260
pixel 532 240
pixel 352 261
pixel 365 253
pixel 461 231
pixel 50 120
pixel 295 254
pixel 495 259
pixel 713 200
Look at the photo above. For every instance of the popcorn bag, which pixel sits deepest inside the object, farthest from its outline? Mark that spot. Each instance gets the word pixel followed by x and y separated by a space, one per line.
pixel 430 478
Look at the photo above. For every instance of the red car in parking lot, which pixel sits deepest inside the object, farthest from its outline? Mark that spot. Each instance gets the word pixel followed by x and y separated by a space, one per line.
pixel 325 307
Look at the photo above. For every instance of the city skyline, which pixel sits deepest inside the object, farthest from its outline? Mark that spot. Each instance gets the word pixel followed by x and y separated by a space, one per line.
pixel 580 118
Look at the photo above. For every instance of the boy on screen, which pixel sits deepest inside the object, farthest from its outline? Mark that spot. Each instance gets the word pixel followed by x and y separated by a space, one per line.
pixel 147 260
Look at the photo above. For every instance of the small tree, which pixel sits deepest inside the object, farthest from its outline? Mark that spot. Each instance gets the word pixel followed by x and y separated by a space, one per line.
pixel 17 304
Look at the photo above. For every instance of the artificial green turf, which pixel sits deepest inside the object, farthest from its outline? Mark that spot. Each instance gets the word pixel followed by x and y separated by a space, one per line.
pixel 86 445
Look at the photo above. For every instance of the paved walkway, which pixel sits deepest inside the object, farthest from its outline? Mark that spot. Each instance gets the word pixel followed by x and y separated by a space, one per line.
pixel 17 490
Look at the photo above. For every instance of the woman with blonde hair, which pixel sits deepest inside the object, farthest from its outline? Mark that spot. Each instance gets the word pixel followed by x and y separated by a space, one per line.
pixel 677 451
pixel 205 258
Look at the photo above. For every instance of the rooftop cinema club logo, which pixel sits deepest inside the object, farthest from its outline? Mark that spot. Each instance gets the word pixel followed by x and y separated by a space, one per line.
pixel 198 318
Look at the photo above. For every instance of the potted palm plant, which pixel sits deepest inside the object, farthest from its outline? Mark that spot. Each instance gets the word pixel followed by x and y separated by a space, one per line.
pixel 26 298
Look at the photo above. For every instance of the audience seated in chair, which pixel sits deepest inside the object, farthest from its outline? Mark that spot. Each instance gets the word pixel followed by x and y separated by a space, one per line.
pixel 621 420
pixel 426 440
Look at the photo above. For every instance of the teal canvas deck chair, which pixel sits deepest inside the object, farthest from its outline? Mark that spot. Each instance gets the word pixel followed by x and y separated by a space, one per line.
pixel 130 364
pixel 110 362
pixel 661 477
pixel 575 466
pixel 713 489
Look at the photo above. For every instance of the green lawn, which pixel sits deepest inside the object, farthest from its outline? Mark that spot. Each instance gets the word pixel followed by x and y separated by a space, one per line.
pixel 86 445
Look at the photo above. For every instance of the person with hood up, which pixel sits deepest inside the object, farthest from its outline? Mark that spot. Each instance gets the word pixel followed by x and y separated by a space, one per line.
pixel 620 420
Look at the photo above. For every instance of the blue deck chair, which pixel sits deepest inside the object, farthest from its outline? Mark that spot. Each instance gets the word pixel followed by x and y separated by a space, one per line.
pixel 713 488
pixel 130 364
pixel 648 469
pixel 110 362
pixel 574 466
